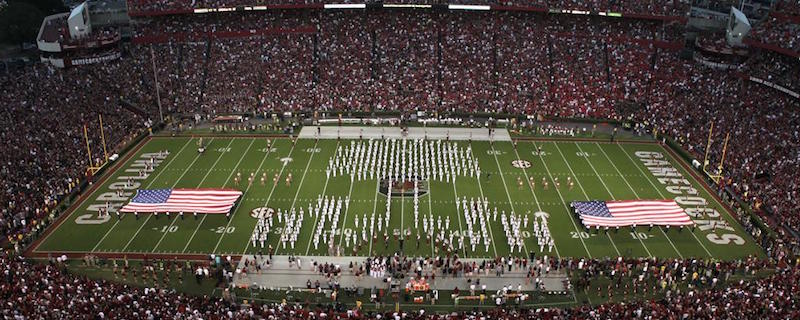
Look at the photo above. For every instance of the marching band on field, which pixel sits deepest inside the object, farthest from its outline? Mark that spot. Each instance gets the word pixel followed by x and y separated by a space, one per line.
pixel 402 163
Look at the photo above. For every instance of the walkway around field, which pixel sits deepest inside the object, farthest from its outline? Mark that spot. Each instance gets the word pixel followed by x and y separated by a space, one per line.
pixel 280 276
pixel 367 132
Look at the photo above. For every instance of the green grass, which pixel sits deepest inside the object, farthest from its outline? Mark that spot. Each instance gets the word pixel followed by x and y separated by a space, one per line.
pixel 601 170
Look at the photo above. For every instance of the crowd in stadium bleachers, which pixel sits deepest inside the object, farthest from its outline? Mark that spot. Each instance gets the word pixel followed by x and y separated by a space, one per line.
pixel 780 32
pixel 762 123
pixel 495 62
pixel 44 152
pixel 32 290
pixel 658 7
pixel 775 68
pixel 553 66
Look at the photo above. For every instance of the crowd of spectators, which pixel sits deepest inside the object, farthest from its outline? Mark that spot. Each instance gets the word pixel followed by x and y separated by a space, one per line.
pixel 554 66
pixel 773 67
pixel 761 121
pixel 44 155
pixel 706 290
pixel 779 32
pixel 674 8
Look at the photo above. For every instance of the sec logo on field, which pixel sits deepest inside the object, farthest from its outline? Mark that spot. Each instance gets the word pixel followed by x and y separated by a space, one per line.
pixel 262 212
pixel 522 164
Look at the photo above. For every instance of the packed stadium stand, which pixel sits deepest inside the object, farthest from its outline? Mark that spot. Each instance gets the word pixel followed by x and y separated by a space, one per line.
pixel 505 62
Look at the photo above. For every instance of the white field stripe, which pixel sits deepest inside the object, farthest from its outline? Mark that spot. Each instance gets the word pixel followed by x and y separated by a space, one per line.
pixel 635 164
pixel 402 213
pixel 430 214
pixel 460 226
pixel 646 208
pixel 238 193
pixel 607 190
pixel 564 202
pixel 226 183
pixel 346 210
pixel 269 197
pixel 316 220
pixel 374 210
pixel 480 188
pixel 149 184
pixel 299 187
pixel 173 186
pixel 510 202
pixel 535 198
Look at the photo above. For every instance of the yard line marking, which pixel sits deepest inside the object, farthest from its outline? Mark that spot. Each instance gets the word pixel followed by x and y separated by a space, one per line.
pixel 346 210
pixel 173 186
pixel 430 214
pixel 274 185
pixel 637 196
pixel 535 198
pixel 374 211
pixel 148 186
pixel 511 202
pixel 609 193
pixel 198 185
pixel 316 220
pixel 659 192
pixel 460 227
pixel 480 187
pixel 402 214
pixel 299 187
pixel 226 182
pixel 564 202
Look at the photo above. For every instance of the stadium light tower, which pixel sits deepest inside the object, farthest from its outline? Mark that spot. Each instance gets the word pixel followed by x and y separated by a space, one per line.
pixel 155 76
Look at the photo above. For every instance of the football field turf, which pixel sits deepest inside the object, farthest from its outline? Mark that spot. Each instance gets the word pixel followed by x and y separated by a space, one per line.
pixel 601 171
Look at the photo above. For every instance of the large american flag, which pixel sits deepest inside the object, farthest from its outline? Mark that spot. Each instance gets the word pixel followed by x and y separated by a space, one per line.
pixel 183 200
pixel 628 213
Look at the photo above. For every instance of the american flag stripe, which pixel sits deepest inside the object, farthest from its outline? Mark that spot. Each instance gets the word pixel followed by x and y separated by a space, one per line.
pixel 628 213
pixel 183 200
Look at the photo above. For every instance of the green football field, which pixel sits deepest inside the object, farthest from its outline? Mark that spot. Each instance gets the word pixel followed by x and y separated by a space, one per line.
pixel 601 171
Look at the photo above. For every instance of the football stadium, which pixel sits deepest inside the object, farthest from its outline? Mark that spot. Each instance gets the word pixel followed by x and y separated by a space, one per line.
pixel 250 159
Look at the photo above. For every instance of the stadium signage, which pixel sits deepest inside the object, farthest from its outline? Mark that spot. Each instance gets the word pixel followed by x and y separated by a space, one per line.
pixel 707 219
pixel 120 191
pixel 521 164
pixel 262 212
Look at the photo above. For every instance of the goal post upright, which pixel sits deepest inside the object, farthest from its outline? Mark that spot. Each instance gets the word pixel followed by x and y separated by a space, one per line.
pixel 103 137
pixel 708 146
pixel 88 148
